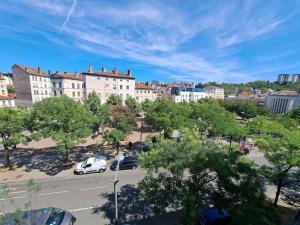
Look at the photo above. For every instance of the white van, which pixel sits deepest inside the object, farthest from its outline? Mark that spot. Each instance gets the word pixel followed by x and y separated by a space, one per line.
pixel 91 165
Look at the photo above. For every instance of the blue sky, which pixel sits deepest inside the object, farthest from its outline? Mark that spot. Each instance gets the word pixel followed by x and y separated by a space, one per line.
pixel 167 40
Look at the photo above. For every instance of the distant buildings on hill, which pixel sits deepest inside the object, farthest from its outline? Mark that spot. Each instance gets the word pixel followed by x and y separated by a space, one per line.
pixel 6 100
pixel 283 78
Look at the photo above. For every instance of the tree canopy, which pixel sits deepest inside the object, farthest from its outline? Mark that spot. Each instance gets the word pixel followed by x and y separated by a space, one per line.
pixel 64 120
pixel 133 105
pixel 193 173
pixel 114 100
pixel 11 130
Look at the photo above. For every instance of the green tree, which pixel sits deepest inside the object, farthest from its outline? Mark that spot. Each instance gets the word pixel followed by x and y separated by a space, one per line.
pixel 114 137
pixel 122 118
pixel 281 147
pixel 295 114
pixel 133 105
pixel 64 120
pixel 100 113
pixel 193 173
pixel 11 89
pixel 11 127
pixel 114 100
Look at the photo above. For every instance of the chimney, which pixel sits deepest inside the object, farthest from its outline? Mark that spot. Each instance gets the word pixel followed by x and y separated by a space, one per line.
pixel 90 68
pixel 103 69
pixel 39 70
pixel 129 72
pixel 115 70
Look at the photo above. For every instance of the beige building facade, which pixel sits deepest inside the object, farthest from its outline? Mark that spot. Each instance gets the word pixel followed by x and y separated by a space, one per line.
pixel 32 85
pixel 3 87
pixel 107 83
pixel 217 93
pixel 70 85
pixel 143 92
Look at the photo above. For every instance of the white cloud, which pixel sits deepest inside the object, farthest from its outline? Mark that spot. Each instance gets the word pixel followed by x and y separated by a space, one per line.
pixel 74 3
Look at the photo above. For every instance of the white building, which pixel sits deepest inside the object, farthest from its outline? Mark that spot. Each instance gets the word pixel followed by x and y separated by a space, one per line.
pixel 296 78
pixel 107 83
pixel 282 78
pixel 70 85
pixel 281 103
pixel 143 92
pixel 217 93
pixel 3 87
pixel 32 85
pixel 7 101
pixel 180 94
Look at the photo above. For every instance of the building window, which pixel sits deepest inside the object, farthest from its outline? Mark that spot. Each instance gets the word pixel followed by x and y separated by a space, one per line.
pixel 45 79
pixel 59 84
pixel 54 93
pixel 121 87
pixel 40 79
pixel 127 87
pixel 54 84
pixel 106 85
pixel 78 94
pixel 114 79
pixel 98 78
pixel 73 85
pixel 114 87
pixel 78 86
pixel 37 92
pixel 46 93
pixel 3 92
pixel 73 93
pixel 148 92
pixel 60 92
pixel 106 78
pixel 45 85
pixel 127 96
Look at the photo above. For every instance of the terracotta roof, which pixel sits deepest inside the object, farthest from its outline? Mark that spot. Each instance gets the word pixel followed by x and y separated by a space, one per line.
pixel 9 97
pixel 32 71
pixel 67 76
pixel 109 74
pixel 143 86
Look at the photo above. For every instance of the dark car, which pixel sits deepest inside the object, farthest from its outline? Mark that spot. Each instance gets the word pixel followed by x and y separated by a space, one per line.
pixel 44 216
pixel 214 216
pixel 128 162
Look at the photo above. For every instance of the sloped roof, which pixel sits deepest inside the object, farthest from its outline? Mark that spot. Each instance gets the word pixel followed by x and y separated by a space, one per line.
pixel 67 76
pixel 109 74
pixel 143 87
pixel 32 71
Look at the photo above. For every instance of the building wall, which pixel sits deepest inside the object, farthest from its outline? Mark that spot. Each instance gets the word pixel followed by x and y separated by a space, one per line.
pixel 22 85
pixel 7 103
pixel 3 87
pixel 281 104
pixel 40 88
pixel 143 94
pixel 218 93
pixel 106 86
pixel 71 88
pixel 185 96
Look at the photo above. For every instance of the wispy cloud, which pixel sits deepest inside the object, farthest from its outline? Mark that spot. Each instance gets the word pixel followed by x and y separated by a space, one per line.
pixel 272 57
pixel 188 41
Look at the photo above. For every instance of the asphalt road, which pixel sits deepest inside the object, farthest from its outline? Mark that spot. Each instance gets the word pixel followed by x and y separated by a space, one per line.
pixel 81 195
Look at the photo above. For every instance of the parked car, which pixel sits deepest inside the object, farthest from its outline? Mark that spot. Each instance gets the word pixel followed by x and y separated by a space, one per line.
pixel 128 162
pixel 44 216
pixel 214 216
pixel 91 165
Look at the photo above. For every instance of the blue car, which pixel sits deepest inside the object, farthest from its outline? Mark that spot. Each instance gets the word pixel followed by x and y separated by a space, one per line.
pixel 214 216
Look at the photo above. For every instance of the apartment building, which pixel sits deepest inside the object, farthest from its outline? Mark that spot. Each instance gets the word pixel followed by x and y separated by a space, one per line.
pixel 32 85
pixel 282 78
pixel 143 92
pixel 217 93
pixel 106 83
pixel 3 87
pixel 296 78
pixel 7 101
pixel 281 103
pixel 181 94
pixel 67 84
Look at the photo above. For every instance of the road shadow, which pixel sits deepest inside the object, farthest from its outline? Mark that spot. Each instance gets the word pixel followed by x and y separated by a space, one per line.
pixel 134 210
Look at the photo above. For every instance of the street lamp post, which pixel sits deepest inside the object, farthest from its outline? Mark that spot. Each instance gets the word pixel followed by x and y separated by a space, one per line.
pixel 115 181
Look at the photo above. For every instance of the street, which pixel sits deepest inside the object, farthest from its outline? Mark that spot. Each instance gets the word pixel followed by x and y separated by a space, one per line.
pixel 81 195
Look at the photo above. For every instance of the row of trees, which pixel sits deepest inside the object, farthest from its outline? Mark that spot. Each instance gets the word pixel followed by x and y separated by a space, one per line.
pixel 66 121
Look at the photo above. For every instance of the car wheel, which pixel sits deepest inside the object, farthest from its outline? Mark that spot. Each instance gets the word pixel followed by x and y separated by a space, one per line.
pixel 134 167
pixel 101 170
pixel 80 173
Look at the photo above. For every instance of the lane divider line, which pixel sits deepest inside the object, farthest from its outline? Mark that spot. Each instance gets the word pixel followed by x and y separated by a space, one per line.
pixel 80 209
pixel 16 192
pixel 53 193
pixel 92 188
pixel 5 199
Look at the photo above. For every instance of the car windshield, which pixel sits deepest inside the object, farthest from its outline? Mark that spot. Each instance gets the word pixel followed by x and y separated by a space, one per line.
pixel 84 163
pixel 56 217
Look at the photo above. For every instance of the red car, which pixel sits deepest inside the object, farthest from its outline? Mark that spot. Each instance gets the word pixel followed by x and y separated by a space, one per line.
pixel 244 149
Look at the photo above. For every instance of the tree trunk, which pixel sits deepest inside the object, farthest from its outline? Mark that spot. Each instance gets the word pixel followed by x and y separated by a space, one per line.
pixel 66 156
pixel 230 141
pixel 279 186
pixel 118 144
pixel 7 155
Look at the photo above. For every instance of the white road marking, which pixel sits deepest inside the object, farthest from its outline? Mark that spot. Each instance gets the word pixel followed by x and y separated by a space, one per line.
pixel 92 188
pixel 53 193
pixel 80 209
pixel 5 199
pixel 12 188
pixel 16 192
